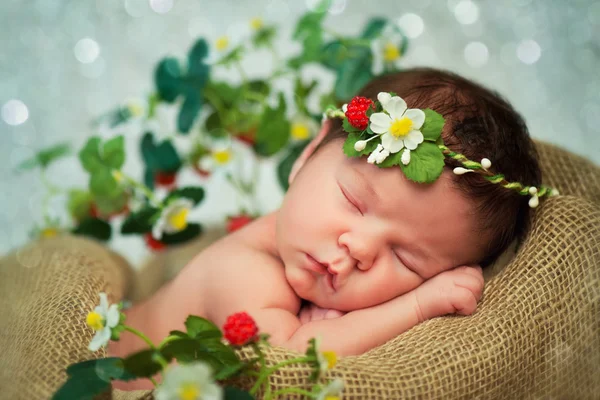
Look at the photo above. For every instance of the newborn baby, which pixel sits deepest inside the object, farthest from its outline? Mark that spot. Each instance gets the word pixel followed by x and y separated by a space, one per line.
pixel 370 252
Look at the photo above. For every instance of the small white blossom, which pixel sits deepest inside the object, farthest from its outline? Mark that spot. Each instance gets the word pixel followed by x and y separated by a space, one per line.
pixel 173 218
pixel 189 382
pixel 332 390
pixel 103 319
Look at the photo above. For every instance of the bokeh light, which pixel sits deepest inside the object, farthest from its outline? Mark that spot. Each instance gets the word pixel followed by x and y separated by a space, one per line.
pixel 15 112
pixel 411 24
pixel 86 50
pixel 529 51
pixel 466 12
pixel 161 6
pixel 476 54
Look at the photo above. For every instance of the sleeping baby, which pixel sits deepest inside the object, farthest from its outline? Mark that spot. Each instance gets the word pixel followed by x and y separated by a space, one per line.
pixel 392 211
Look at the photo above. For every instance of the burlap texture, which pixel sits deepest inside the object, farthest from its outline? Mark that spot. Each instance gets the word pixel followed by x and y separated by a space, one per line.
pixel 536 333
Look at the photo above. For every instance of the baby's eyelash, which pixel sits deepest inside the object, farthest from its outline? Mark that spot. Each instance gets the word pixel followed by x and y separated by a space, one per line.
pixel 350 201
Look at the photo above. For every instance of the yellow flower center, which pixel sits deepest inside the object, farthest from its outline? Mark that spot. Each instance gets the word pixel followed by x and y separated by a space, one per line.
pixel 390 52
pixel 329 397
pixel 222 156
pixel 117 175
pixel 401 127
pixel 256 23
pixel 135 109
pixel 95 321
pixel 300 131
pixel 222 43
pixel 189 391
pixel 49 232
pixel 178 220
pixel 331 358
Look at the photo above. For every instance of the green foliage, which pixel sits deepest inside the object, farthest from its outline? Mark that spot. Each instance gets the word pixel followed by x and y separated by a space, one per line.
pixel 426 163
pixel 233 393
pixel 301 93
pixel 353 74
pixel 352 139
pixel 287 162
pixel 264 37
pixel 142 364
pixel 189 233
pixel 373 28
pixel 95 228
pixel 197 325
pixel 432 128
pixel 45 157
pixel 195 194
pixel 79 203
pixel 273 131
pixel 140 222
pixel 309 32
pixel 162 157
pixel 87 379
pixel 173 82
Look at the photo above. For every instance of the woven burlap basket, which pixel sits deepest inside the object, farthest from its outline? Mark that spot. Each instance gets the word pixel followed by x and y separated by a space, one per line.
pixel 535 335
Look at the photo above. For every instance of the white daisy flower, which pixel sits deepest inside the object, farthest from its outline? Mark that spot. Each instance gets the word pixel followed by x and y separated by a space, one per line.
pixel 386 49
pixel 103 319
pixel 219 156
pixel 332 391
pixel 326 359
pixel 173 218
pixel 398 126
pixel 303 128
pixel 189 382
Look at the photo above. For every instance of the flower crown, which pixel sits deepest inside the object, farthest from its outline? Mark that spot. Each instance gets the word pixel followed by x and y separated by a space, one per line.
pixel 392 134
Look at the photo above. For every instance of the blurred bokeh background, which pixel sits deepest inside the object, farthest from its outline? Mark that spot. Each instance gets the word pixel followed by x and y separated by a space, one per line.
pixel 64 62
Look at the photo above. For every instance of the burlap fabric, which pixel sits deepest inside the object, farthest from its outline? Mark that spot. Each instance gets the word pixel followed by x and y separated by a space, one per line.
pixel 536 333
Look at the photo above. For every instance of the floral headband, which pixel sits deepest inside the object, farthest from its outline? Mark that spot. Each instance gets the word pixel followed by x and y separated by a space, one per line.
pixel 392 134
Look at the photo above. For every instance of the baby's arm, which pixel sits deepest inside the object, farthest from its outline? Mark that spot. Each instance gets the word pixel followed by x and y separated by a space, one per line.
pixel 358 331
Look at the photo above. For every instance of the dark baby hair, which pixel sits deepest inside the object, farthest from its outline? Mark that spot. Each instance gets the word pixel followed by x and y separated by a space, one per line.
pixel 479 124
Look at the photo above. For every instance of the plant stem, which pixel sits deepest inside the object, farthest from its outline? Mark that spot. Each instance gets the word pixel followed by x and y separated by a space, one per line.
pixel 141 336
pixel 143 188
pixel 265 374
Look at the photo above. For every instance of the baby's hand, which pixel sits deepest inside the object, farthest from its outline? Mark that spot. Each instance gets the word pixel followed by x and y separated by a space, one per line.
pixel 455 291
pixel 312 312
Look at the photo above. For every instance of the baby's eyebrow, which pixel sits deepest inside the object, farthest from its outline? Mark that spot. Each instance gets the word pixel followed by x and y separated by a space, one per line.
pixel 365 184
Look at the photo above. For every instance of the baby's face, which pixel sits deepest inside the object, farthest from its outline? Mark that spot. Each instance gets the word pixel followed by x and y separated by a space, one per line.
pixel 352 235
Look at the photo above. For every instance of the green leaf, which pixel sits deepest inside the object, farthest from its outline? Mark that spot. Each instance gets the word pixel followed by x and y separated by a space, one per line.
pixel 178 333
pixel 90 378
pixel 45 157
pixel 233 56
pixel 434 123
pixel 108 204
pixel 353 75
pixel 285 165
pixel 196 325
pixel 196 56
pixel 224 353
pixel 373 28
pixel 352 139
pixel 166 79
pixel 214 125
pixel 426 163
pixel 222 91
pixel 167 158
pixel 79 203
pixel 189 233
pixel 140 221
pixel 260 86
pixel 333 54
pixel 188 113
pixel 90 155
pixel 95 228
pixel 229 371
pixel 263 37
pixel 196 194
pixel 113 152
pixel 273 131
pixel 142 364
pixel 233 393
pixel 103 183
pixel 301 93
pixel 348 127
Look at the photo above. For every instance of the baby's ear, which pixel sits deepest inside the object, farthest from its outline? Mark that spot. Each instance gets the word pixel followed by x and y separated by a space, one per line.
pixel 309 149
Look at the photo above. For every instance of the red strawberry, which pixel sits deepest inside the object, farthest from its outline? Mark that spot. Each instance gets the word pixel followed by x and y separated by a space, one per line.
pixel 357 112
pixel 152 243
pixel 166 179
pixel 238 222
pixel 240 329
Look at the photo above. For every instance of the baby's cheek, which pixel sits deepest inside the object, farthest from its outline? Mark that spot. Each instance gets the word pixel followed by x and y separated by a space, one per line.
pixel 301 281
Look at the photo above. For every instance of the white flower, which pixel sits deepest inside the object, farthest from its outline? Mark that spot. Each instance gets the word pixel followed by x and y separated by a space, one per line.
pixel 303 128
pixel 189 382
pixel 325 359
pixel 103 319
pixel 173 218
pixel 332 390
pixel 218 157
pixel 378 155
pixel 386 48
pixel 399 127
